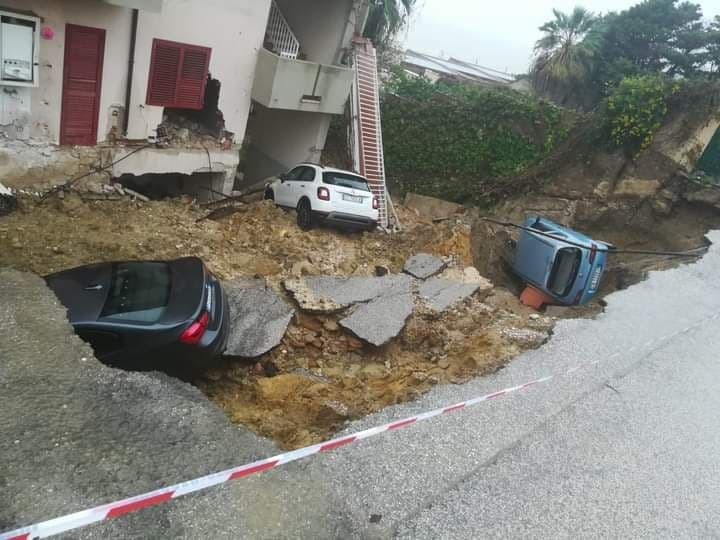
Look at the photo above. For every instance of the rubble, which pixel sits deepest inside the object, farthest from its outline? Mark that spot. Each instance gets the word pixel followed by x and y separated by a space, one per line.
pixel 259 318
pixel 327 367
pixel 525 336
pixel 423 266
pixel 452 286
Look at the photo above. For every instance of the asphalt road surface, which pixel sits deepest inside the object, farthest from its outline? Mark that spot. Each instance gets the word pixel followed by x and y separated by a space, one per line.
pixel 627 446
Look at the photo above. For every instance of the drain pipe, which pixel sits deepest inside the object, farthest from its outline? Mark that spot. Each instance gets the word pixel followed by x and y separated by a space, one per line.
pixel 131 69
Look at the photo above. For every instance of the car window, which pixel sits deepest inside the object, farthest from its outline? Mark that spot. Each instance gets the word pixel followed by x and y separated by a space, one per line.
pixel 308 175
pixel 564 271
pixel 139 292
pixel 346 180
pixel 295 173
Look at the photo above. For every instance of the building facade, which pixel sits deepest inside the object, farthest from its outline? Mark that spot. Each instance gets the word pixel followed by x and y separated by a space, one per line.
pixel 85 83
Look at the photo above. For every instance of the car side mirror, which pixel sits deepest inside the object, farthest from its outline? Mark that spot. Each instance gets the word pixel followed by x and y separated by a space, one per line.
pixel 283 177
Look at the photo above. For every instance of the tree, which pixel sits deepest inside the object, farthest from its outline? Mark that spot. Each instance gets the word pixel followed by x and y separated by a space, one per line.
pixel 386 19
pixel 713 47
pixel 564 56
pixel 654 36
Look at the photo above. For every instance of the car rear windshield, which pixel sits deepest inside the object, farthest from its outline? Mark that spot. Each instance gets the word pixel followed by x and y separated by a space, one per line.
pixel 564 271
pixel 346 180
pixel 139 292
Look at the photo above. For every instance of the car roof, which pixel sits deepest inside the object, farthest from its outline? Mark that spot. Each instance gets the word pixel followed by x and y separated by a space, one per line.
pixel 331 169
pixel 83 290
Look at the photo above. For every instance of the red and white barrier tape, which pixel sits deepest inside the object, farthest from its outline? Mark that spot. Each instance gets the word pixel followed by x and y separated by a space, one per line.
pixel 125 506
pixel 152 498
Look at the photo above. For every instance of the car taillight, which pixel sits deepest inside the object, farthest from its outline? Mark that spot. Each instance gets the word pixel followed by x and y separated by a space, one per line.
pixel 593 252
pixel 323 194
pixel 376 203
pixel 194 333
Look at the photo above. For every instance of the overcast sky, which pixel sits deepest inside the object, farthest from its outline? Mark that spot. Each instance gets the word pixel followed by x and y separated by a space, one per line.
pixel 497 34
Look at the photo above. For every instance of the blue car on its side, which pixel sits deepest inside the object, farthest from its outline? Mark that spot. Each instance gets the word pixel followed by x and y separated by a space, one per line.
pixel 568 273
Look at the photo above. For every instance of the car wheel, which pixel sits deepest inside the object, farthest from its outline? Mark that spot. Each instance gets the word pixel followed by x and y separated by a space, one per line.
pixel 269 194
pixel 304 215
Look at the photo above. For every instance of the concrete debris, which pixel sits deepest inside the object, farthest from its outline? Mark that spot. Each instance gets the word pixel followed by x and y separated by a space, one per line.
pixel 259 318
pixel 452 286
pixel 135 194
pixel 379 321
pixel 423 266
pixel 525 336
pixel 467 275
pixel 326 294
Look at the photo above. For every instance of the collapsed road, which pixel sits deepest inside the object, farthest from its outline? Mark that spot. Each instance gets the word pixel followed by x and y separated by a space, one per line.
pixel 423 481
pixel 297 375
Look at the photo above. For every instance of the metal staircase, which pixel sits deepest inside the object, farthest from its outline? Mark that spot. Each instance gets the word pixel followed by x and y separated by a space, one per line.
pixel 366 136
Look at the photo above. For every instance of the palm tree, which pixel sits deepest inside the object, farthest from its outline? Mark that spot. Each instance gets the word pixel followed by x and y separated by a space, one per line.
pixel 386 19
pixel 563 64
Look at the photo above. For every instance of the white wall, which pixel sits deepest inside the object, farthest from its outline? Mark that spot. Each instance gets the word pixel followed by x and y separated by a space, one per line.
pixel 233 29
pixel 319 26
pixel 46 99
pixel 280 139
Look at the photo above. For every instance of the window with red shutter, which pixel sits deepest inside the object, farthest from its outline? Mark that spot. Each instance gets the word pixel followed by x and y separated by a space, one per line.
pixel 178 74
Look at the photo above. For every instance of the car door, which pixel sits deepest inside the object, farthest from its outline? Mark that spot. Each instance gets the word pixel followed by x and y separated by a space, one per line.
pixel 304 184
pixel 284 188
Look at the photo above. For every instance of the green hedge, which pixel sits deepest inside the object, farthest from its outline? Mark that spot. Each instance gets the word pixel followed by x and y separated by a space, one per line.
pixel 442 140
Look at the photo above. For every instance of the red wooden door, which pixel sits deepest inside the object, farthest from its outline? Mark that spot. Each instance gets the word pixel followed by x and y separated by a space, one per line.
pixel 84 51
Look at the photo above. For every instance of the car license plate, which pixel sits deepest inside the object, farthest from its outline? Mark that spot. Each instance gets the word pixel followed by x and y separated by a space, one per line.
pixel 595 281
pixel 352 198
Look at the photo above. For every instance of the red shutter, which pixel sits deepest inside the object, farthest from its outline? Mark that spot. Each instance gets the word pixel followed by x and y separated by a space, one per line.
pixel 178 75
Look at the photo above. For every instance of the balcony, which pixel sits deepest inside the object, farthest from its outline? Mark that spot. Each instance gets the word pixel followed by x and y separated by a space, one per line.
pixel 153 6
pixel 287 83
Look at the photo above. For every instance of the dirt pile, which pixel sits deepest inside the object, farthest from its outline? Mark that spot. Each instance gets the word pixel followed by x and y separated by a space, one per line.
pixel 323 377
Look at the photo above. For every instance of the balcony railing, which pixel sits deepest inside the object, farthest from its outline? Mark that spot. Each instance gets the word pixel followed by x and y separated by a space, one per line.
pixel 279 36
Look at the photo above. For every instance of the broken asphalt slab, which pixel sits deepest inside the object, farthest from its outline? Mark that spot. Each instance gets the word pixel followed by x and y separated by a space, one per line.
pixel 259 318
pixel 328 294
pixel 439 294
pixel 386 302
pixel 380 320
pixel 451 287
pixel 423 266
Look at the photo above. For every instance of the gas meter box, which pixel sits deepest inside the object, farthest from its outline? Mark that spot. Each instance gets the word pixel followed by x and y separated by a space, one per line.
pixel 18 49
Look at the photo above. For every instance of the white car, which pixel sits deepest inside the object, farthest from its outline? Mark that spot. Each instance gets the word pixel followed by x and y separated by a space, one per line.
pixel 321 194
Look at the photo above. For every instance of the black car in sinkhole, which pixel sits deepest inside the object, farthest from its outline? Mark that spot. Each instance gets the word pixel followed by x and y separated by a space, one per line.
pixel 142 315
